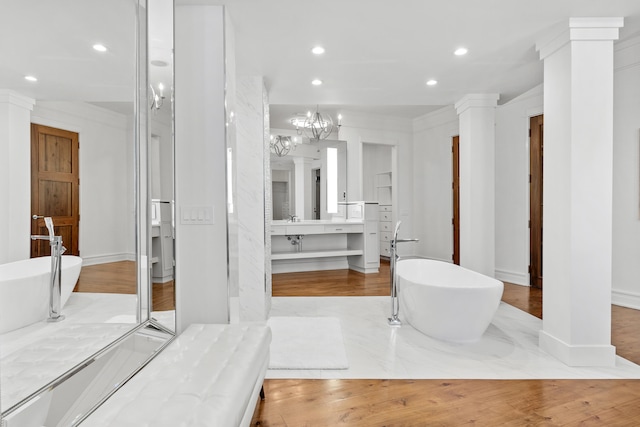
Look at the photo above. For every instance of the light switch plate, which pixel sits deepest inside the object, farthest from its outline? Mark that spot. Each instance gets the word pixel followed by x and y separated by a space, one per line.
pixel 196 215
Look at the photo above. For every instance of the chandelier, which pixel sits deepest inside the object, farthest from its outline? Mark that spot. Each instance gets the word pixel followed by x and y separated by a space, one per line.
pixel 282 145
pixel 316 126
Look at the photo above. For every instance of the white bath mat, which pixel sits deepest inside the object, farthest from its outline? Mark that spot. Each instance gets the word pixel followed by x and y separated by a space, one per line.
pixel 307 343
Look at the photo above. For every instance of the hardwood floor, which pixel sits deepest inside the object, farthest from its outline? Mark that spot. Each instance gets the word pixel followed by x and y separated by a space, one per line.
pixel 449 402
pixel 120 278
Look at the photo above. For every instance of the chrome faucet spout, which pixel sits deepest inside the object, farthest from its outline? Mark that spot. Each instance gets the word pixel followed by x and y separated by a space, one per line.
pixel 394 320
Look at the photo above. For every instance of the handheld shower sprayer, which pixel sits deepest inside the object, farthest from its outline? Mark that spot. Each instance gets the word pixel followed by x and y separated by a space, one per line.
pixel 49 223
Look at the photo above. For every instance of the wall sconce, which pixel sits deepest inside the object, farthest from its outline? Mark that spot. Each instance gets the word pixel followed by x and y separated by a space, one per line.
pixel 156 99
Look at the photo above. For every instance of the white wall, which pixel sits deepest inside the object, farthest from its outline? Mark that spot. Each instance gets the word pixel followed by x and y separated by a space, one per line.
pixel 358 129
pixel 432 202
pixel 107 231
pixel 15 177
pixel 376 159
pixel 512 185
pixel 202 289
pixel 626 176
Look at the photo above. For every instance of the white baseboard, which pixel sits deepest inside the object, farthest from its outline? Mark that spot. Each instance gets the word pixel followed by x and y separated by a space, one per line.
pixel 104 259
pixel 577 355
pixel 512 277
pixel 626 299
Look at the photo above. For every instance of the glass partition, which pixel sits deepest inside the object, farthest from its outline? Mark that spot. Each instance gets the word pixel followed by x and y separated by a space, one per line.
pixel 95 68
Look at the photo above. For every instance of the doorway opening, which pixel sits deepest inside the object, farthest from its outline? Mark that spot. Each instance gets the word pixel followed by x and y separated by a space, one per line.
pixel 536 150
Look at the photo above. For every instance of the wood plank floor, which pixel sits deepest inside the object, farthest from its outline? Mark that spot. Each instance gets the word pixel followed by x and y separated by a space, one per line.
pixel 120 278
pixel 449 402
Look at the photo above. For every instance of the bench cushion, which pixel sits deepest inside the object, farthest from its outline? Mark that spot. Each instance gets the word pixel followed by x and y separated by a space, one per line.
pixel 205 377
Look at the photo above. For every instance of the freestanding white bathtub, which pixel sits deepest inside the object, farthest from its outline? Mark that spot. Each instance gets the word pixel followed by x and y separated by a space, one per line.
pixel 24 289
pixel 446 301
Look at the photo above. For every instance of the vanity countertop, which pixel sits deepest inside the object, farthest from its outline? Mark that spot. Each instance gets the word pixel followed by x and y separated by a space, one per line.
pixel 281 228
pixel 314 222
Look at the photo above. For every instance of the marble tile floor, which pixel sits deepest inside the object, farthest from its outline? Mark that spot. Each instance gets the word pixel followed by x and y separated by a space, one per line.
pixel 32 356
pixel 508 350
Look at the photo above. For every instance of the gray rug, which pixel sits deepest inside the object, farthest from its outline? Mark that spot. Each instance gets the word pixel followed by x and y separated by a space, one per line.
pixel 307 343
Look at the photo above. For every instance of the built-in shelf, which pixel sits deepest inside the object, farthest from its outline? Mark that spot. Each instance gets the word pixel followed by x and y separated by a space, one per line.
pixel 315 254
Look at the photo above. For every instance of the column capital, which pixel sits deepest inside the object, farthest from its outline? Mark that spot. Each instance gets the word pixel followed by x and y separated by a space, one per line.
pixel 477 100
pixel 580 29
pixel 14 98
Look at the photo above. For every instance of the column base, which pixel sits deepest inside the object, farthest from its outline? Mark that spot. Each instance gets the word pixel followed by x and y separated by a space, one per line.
pixel 577 355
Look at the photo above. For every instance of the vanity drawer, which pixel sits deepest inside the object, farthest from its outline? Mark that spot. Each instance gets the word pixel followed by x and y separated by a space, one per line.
pixel 344 228
pixel 385 236
pixel 278 230
pixel 304 229
pixel 385 216
pixel 385 249
pixel 385 226
pixel 384 208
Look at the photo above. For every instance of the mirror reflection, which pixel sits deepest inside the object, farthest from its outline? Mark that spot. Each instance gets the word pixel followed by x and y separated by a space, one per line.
pixel 161 173
pixel 309 182
pixel 67 104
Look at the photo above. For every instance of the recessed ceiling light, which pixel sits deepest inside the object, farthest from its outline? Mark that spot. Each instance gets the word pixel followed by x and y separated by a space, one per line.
pixel 318 50
pixel 460 51
pixel 100 47
pixel 31 78
pixel 316 82
pixel 159 63
pixel 432 82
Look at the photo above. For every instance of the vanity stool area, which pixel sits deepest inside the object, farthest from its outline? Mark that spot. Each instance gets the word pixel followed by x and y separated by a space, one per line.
pixel 210 375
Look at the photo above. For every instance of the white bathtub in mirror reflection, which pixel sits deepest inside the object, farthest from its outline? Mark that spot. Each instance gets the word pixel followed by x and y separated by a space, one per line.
pixel 446 301
pixel 24 289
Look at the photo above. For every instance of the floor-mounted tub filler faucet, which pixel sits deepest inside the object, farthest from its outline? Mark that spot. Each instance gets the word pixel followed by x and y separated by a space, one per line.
pixel 394 257
pixel 56 268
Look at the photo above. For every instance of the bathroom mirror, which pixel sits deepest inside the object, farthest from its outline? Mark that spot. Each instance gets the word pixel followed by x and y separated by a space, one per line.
pixel 309 181
pixel 90 75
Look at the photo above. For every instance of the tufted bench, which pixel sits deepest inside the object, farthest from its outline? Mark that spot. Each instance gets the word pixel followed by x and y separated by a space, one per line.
pixel 208 376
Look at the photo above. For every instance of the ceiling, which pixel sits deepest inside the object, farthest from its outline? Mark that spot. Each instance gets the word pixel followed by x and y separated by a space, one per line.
pixel 380 53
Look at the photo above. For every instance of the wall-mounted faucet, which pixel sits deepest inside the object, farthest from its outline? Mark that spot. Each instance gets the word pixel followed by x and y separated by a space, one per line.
pixel 55 242
pixel 296 240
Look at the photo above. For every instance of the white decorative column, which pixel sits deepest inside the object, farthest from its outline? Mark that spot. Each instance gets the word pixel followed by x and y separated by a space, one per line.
pixel 578 171
pixel 15 175
pixel 252 108
pixel 477 113
pixel 302 174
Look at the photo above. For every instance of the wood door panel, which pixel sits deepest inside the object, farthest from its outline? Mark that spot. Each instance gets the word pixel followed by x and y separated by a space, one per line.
pixel 536 156
pixel 55 154
pixel 56 198
pixel 55 186
pixel 455 150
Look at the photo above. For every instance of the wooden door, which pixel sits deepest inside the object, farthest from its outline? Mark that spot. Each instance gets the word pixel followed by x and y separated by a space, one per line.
pixel 535 199
pixel 455 150
pixel 55 186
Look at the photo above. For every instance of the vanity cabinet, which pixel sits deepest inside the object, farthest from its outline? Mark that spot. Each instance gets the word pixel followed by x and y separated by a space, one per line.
pixel 161 242
pixel 367 212
pixel 328 244
pixel 384 188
